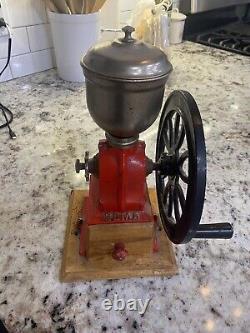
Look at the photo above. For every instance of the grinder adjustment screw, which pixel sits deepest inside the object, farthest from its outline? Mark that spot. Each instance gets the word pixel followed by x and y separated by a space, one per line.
pixel 83 166
pixel 79 166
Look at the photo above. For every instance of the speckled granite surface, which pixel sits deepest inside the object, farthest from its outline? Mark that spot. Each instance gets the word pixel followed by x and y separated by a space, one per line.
pixel 53 127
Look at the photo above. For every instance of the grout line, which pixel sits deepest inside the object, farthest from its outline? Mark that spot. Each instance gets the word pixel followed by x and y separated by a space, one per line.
pixel 7 78
pixel 50 48
pixel 22 54
pixel 31 25
pixel 28 38
pixel 11 71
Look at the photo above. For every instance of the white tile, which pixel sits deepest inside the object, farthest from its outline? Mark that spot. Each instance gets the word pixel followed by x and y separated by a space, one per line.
pixel 20 43
pixel 21 13
pixel 127 5
pixel 42 60
pixel 125 17
pixel 3 10
pixel 31 63
pixel 3 47
pixel 53 57
pixel 39 37
pixel 7 73
pixel 22 65
pixel 109 18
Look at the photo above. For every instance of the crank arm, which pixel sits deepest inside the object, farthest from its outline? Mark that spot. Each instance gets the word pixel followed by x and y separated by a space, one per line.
pixel 214 230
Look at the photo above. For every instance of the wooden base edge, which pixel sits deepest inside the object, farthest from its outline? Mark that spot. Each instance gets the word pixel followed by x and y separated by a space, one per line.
pixel 77 268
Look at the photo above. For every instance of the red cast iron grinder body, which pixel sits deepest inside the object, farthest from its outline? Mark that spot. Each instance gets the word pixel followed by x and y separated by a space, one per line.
pixel 118 191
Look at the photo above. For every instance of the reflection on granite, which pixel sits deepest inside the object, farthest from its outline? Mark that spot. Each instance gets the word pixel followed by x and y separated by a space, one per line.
pixel 53 127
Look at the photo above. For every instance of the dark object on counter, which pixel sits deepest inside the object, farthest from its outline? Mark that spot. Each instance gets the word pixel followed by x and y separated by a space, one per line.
pixel 5 111
pixel 224 29
pixel 234 37
pixel 198 6
pixel 2 328
pixel 2 22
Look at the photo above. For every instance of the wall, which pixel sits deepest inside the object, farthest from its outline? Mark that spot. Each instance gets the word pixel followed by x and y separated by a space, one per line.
pixel 32 47
pixel 110 18
pixel 126 7
pixel 115 15
pixel 31 41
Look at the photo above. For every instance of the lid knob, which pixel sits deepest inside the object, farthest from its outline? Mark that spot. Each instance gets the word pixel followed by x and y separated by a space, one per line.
pixel 128 31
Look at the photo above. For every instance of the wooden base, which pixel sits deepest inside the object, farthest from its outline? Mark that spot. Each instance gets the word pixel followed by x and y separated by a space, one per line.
pixel 102 266
pixel 137 238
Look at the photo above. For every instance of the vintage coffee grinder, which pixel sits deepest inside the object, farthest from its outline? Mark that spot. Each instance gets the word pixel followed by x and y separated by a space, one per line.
pixel 125 82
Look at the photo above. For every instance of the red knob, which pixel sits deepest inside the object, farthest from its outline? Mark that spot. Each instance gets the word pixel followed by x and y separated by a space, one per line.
pixel 119 251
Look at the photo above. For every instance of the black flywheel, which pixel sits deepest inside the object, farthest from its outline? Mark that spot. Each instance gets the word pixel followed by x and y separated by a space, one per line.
pixel 181 171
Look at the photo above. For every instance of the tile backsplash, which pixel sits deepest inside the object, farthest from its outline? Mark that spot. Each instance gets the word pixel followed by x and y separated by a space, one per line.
pixel 7 75
pixel 31 63
pixel 126 11
pixel 32 46
pixel 22 13
pixel 20 41
pixel 39 37
pixel 32 49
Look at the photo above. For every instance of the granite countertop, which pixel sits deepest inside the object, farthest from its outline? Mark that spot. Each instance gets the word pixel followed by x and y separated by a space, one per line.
pixel 53 127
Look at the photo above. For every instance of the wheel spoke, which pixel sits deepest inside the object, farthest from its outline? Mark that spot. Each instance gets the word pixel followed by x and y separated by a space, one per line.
pixel 181 196
pixel 180 138
pixel 161 178
pixel 170 132
pixel 168 198
pixel 178 198
pixel 183 176
pixel 176 206
pixel 176 127
pixel 166 140
pixel 184 156
pixel 166 192
pixel 170 201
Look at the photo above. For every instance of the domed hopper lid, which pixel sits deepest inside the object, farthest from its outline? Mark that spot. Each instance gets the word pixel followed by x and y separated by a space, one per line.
pixel 127 59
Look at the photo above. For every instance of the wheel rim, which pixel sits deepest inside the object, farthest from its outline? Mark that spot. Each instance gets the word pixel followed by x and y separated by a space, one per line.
pixel 181 167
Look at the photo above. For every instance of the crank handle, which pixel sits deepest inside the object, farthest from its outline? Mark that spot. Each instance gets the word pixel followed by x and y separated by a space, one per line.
pixel 214 230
